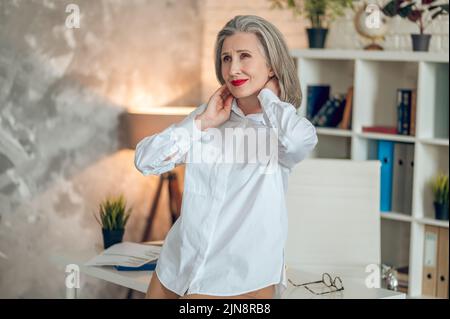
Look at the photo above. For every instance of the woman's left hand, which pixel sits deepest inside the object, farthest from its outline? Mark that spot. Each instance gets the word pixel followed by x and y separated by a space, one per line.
pixel 273 85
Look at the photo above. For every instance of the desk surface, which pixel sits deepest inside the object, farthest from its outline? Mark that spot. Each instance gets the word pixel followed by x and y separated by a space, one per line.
pixel 353 288
pixel 139 280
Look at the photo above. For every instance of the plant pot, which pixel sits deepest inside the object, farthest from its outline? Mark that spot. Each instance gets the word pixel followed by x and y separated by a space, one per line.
pixel 420 42
pixel 441 211
pixel 317 37
pixel 111 237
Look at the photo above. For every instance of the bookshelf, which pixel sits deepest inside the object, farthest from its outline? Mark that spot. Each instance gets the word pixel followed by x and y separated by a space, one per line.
pixel 376 76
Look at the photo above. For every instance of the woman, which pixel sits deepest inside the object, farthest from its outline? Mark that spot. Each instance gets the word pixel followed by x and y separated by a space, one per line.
pixel 229 240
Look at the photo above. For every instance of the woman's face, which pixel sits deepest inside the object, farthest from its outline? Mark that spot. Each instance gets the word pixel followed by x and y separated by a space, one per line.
pixel 244 67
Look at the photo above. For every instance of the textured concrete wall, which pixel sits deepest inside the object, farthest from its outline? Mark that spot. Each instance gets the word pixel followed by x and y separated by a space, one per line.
pixel 61 93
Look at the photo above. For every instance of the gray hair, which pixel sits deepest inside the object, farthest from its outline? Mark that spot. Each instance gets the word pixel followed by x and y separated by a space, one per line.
pixel 275 50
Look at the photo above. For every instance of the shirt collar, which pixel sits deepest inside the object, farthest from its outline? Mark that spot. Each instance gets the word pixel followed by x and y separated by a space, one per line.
pixel 236 109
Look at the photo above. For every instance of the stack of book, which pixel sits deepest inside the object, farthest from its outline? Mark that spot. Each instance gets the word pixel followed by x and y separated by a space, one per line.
pixel 402 278
pixel 406 116
pixel 331 112
pixel 317 95
pixel 325 111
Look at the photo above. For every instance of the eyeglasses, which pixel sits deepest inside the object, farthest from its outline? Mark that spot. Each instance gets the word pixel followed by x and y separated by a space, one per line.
pixel 335 284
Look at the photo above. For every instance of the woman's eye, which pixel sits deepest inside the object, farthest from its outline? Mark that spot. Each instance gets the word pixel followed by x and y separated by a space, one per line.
pixel 245 55
pixel 225 59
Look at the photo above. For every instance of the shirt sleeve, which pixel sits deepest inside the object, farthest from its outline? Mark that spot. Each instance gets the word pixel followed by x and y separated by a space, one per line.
pixel 161 152
pixel 296 135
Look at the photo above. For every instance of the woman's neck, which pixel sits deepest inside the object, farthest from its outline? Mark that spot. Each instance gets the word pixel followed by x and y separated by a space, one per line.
pixel 249 104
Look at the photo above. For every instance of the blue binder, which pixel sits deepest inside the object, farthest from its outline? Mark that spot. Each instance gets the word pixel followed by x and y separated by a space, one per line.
pixel 386 156
pixel 148 266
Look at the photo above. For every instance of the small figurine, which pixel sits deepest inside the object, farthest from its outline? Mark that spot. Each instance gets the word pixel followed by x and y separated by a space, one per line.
pixel 389 275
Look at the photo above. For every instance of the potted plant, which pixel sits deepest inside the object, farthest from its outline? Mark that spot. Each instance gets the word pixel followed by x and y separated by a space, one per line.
pixel 420 12
pixel 319 12
pixel 113 218
pixel 440 192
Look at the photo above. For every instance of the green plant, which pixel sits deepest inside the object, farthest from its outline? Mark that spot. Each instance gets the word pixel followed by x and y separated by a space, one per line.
pixel 440 188
pixel 319 12
pixel 112 213
pixel 421 12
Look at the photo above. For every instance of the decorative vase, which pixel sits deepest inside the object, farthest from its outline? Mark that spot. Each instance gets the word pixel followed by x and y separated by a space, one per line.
pixel 111 237
pixel 317 37
pixel 420 42
pixel 441 211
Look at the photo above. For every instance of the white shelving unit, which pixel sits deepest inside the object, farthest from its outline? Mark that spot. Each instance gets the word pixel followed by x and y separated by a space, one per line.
pixel 376 76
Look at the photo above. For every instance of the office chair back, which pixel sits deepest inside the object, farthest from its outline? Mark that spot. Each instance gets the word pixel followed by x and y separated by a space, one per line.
pixel 334 218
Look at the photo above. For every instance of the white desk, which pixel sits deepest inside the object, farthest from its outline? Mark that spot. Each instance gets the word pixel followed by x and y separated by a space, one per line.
pixel 139 281
pixel 354 288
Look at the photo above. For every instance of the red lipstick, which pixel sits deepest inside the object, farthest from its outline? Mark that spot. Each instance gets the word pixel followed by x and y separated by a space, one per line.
pixel 238 82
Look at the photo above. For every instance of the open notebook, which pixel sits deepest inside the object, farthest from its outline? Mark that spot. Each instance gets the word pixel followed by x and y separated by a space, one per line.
pixel 129 256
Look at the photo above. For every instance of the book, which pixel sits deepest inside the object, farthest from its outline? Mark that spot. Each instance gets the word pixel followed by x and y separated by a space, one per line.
pixel 403 110
pixel 399 113
pixel 412 122
pixel 380 129
pixel 126 254
pixel 151 265
pixel 403 275
pixel 317 95
pixel 331 112
pixel 403 289
pixel 146 267
pixel 346 123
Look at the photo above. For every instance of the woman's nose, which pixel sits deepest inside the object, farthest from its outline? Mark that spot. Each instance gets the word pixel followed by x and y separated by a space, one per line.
pixel 235 67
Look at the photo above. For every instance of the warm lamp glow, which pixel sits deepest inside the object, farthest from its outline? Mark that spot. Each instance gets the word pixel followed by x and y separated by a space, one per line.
pixel 162 110
pixel 138 98
pixel 145 116
pixel 141 98
pixel 141 122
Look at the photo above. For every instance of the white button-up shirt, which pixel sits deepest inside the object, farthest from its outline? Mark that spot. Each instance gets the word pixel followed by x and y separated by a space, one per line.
pixel 230 236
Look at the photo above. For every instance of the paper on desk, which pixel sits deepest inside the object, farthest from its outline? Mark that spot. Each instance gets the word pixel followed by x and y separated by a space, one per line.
pixel 126 254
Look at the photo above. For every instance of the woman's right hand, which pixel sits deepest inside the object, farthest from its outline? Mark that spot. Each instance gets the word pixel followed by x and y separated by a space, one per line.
pixel 218 110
